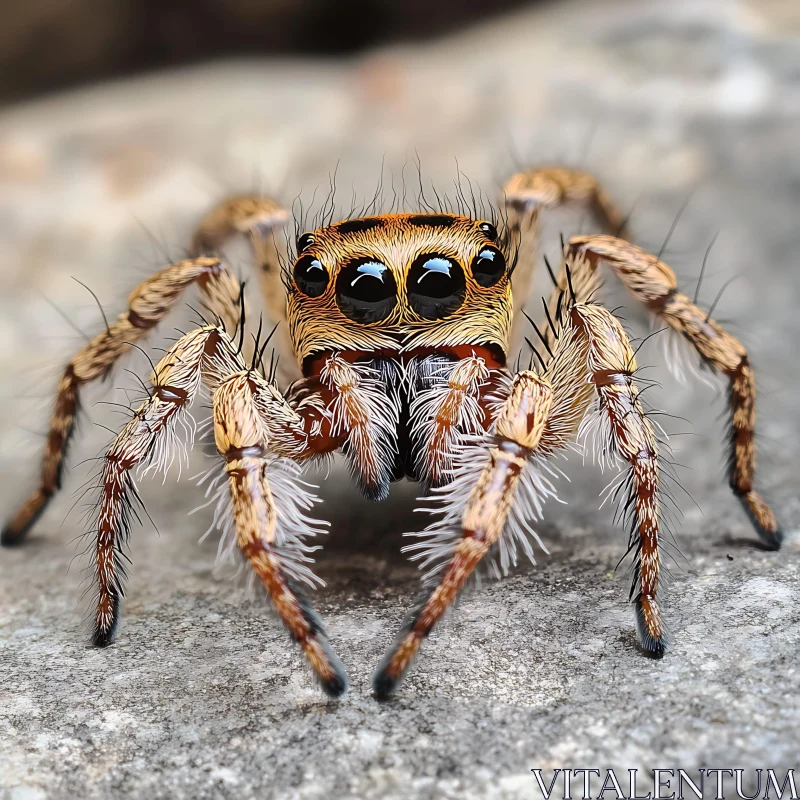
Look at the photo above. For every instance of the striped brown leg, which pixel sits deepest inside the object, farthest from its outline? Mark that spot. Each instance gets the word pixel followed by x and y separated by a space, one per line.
pixel 147 306
pixel 611 365
pixel 251 215
pixel 527 194
pixel 143 440
pixel 517 433
pixel 241 439
pixel 654 284
pixel 552 187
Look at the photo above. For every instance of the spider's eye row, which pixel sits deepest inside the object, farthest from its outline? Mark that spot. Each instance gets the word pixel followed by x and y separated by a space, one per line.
pixel 310 276
pixel 488 267
pixel 366 290
pixel 304 242
pixel 489 230
pixel 436 286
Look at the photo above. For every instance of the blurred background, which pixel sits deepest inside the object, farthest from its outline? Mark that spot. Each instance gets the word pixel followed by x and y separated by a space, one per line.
pixel 122 121
pixel 47 44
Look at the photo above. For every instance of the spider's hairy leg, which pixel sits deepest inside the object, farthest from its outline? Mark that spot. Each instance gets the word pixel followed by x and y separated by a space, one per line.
pixel 261 219
pixel 252 215
pixel 517 433
pixel 552 187
pixel 611 366
pixel 654 284
pixel 531 191
pixel 241 438
pixel 176 381
pixel 147 306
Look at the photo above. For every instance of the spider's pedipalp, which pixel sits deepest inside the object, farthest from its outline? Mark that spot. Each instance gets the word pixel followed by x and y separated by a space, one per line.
pixel 446 406
pixel 364 411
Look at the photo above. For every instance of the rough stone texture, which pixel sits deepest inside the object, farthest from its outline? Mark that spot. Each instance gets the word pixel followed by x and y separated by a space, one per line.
pixel 203 696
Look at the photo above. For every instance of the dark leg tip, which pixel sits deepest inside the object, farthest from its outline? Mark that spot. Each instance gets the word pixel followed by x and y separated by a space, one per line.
pixel 334 682
pixel 375 492
pixel 16 531
pixel 384 685
pixel 335 686
pixel 13 537
pixel 770 539
pixel 758 513
pixel 652 646
pixel 102 638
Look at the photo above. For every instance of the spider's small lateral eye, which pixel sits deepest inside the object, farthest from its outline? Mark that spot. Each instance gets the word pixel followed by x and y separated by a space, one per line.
pixel 488 267
pixel 489 230
pixel 310 276
pixel 366 290
pixel 436 286
pixel 304 242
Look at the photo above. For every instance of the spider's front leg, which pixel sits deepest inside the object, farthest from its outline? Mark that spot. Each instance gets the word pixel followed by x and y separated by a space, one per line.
pixel 499 467
pixel 144 441
pixel 274 554
pixel 255 428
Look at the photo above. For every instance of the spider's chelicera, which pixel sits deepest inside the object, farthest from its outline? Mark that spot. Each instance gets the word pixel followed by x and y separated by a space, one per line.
pixel 401 325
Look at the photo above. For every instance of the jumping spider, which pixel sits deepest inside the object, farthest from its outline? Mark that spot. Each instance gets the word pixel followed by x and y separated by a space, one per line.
pixel 401 325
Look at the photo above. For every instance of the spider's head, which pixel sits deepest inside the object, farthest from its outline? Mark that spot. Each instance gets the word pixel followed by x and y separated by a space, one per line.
pixel 400 283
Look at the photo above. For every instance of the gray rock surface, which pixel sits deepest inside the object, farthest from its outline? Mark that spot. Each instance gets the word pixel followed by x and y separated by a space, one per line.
pixel 203 695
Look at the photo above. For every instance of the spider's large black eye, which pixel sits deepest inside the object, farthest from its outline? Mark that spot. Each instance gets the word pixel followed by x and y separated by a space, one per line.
pixel 436 286
pixel 310 276
pixel 489 230
pixel 488 267
pixel 366 290
pixel 304 242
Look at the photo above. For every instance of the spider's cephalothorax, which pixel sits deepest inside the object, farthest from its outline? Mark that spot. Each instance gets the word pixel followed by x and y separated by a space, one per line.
pixel 400 283
pixel 401 325
pixel 396 302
